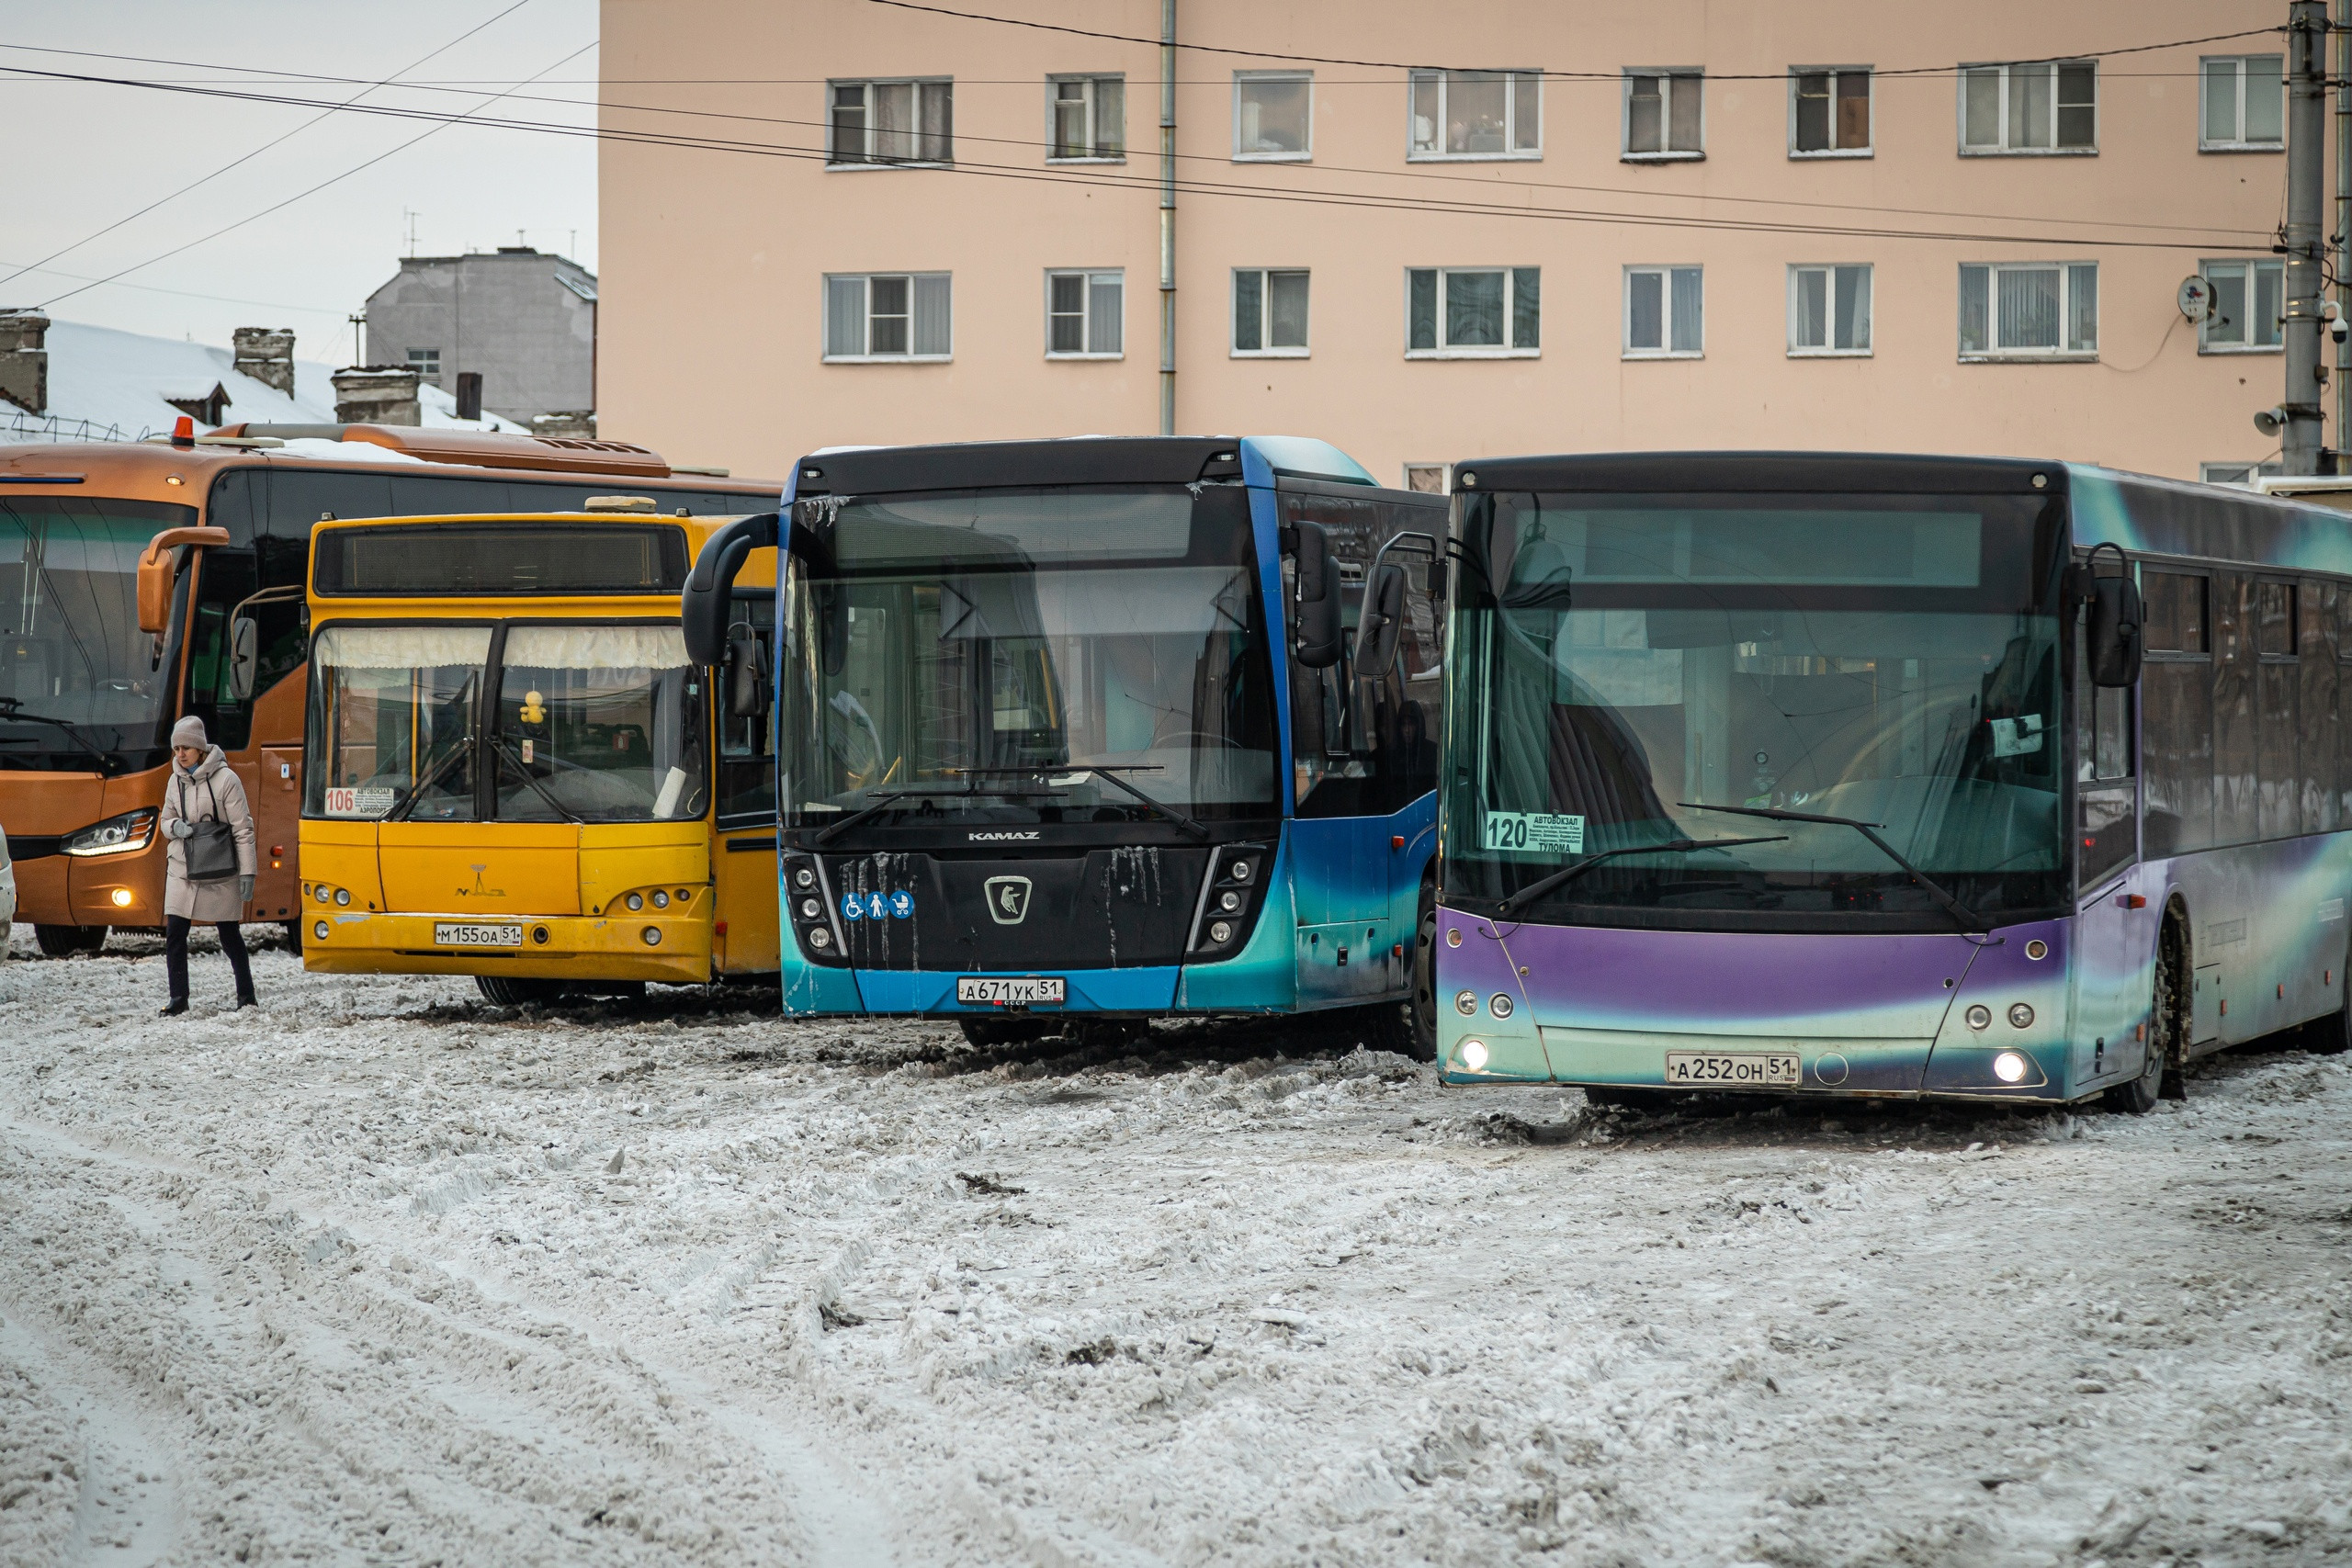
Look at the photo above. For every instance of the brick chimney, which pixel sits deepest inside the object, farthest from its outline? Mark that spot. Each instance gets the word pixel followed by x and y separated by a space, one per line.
pixel 267 353
pixel 24 358
pixel 376 394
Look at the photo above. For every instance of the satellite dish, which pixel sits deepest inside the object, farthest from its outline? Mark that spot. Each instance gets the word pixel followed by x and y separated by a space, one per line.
pixel 2195 297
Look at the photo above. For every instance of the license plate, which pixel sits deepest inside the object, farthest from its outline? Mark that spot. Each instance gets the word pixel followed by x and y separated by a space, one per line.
pixel 455 933
pixel 1020 991
pixel 1704 1069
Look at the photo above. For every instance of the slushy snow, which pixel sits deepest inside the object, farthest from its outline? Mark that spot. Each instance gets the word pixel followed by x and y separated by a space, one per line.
pixel 382 1273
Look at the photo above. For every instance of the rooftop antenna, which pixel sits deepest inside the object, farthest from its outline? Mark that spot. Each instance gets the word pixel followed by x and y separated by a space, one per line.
pixel 518 238
pixel 409 215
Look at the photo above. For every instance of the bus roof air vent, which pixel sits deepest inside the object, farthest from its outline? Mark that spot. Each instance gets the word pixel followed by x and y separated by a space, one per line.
pixel 621 504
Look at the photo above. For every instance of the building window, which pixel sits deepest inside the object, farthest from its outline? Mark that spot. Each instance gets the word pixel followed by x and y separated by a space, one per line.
pixel 1087 119
pixel 1829 310
pixel 2032 311
pixel 2244 104
pixel 1477 114
pixel 886 123
pixel 1083 314
pixel 1426 479
pixel 426 362
pixel 1274 115
pixel 1470 312
pixel 2240 474
pixel 1270 311
pixel 887 316
pixel 1663 114
pixel 1664 312
pixel 2047 106
pixel 1829 113
pixel 2249 299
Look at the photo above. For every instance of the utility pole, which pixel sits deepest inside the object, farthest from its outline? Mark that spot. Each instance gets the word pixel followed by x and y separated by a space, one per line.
pixel 2343 224
pixel 1166 216
pixel 2304 405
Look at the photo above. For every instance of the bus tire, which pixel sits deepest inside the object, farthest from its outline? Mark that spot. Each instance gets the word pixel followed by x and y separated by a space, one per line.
pixel 2332 1034
pixel 506 991
pixel 64 942
pixel 1420 1007
pixel 294 938
pixel 986 1029
pixel 2167 1028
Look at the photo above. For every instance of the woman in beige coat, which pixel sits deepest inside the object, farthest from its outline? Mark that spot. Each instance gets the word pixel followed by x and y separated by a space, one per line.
pixel 202 788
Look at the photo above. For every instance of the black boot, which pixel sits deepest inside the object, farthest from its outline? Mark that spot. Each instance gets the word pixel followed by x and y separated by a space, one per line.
pixel 247 999
pixel 178 1006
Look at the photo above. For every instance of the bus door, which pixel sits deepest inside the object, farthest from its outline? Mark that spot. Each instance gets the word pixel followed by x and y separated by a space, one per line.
pixel 1364 754
pixel 744 863
pixel 245 654
pixel 2112 939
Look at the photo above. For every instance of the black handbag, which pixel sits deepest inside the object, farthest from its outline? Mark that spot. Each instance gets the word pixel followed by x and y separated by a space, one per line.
pixel 211 849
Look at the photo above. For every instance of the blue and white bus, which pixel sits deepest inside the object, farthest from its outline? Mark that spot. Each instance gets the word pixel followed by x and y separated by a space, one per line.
pixel 1905 776
pixel 1095 730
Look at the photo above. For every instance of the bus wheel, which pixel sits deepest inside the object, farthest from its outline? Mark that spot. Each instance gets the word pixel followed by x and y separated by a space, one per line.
pixel 2329 1035
pixel 502 990
pixel 986 1029
pixel 294 938
pixel 2168 1017
pixel 63 941
pixel 1421 1011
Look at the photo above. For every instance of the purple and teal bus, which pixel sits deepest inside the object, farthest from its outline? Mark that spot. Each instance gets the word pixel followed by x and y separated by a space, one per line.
pixel 1896 776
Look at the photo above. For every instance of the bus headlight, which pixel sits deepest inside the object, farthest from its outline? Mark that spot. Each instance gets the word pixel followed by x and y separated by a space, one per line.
pixel 322 892
pixel 660 899
pixel 1466 1003
pixel 2020 1016
pixel 653 935
pixel 1241 870
pixel 343 896
pixel 115 836
pixel 1473 1055
pixel 1222 930
pixel 636 901
pixel 811 908
pixel 1499 1005
pixel 1229 902
pixel 821 939
pixel 320 930
pixel 2009 1068
pixel 804 877
pixel 121 897
pixel 1980 1017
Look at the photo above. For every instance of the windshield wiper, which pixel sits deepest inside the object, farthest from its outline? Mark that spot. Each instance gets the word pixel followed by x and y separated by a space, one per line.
pixel 14 707
pixel 400 813
pixel 1567 874
pixel 1969 918
pixel 505 748
pixel 1111 775
pixel 882 803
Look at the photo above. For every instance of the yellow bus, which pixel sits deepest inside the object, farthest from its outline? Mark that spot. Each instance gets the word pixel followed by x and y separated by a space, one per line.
pixel 513 770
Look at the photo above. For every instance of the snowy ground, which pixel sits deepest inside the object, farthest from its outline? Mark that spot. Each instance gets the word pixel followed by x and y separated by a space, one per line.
pixel 384 1274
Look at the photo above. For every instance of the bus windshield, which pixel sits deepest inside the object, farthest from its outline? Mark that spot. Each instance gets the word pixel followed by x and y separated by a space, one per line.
pixel 1624 662
pixel 1029 655
pixel 69 612
pixel 592 724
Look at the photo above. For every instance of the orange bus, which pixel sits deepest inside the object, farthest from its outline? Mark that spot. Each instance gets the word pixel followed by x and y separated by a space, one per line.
pixel 143 581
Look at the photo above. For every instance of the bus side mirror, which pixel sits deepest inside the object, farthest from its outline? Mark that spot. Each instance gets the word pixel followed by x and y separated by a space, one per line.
pixel 2115 632
pixel 1380 624
pixel 159 571
pixel 747 674
pixel 1319 598
pixel 244 648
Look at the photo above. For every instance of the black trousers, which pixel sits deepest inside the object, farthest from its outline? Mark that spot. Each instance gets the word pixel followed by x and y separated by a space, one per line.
pixel 232 943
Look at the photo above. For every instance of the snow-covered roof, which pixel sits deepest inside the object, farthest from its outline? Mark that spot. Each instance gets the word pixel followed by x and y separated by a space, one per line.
pixel 106 384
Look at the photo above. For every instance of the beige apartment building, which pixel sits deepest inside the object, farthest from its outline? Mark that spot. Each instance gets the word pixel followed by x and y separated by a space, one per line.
pixel 1824 224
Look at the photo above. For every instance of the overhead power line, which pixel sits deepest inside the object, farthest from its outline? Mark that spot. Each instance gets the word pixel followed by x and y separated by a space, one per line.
pixel 249 157
pixel 23 267
pixel 1562 75
pixel 1450 206
pixel 444 122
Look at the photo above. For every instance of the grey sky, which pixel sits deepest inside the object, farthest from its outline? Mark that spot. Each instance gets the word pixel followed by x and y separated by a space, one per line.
pixel 83 154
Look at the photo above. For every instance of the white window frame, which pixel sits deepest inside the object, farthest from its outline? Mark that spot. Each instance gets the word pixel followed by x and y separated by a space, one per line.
pixel 2247 472
pixel 824 320
pixel 2205 270
pixel 835 162
pixel 1266 314
pixel 1241 77
pixel 2002 148
pixel 1797 73
pixel 426 362
pixel 1626 152
pixel 1086 319
pixel 1666 271
pixel 1994 355
pixel 2204 87
pixel 1510 350
pixel 1092 81
pixel 1796 350
pixel 1444 472
pixel 1515 79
